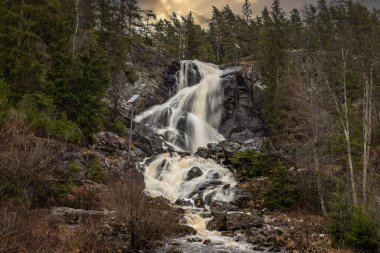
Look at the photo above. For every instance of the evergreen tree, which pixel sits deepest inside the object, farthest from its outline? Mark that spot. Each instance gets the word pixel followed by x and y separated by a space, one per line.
pixel 247 12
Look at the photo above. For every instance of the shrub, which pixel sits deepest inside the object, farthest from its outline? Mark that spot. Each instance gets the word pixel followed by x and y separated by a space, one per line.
pixel 352 226
pixel 282 193
pixel 250 163
pixel 131 75
pixel 42 114
pixel 97 173
pixel 74 166
pixel 63 189
pixel 4 98
pixel 148 221
pixel 26 162
pixel 119 127
pixel 24 230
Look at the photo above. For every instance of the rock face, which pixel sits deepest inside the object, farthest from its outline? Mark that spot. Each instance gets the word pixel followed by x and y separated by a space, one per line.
pixel 242 102
pixel 228 148
pixel 154 79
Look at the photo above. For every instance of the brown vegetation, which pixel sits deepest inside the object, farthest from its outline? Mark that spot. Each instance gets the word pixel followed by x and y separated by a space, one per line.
pixel 26 162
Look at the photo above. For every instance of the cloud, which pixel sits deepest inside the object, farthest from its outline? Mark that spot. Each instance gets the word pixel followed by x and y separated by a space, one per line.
pixel 202 9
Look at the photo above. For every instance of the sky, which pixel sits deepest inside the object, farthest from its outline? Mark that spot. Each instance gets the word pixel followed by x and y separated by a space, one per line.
pixel 202 8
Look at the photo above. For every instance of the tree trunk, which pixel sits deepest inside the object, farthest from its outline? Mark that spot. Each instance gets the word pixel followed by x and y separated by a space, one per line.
pixel 316 164
pixel 367 127
pixel 76 27
pixel 346 127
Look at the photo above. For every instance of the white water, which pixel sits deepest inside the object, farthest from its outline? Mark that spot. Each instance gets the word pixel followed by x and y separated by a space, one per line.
pixel 191 118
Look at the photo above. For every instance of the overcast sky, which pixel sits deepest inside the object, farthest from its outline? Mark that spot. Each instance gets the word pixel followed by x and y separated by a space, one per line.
pixel 202 8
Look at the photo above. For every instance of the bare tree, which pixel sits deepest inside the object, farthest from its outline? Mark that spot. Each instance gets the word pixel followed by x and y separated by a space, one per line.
pixel 367 121
pixel 343 113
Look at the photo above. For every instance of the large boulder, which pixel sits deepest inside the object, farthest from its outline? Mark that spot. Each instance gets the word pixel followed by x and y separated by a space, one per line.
pixel 110 143
pixel 194 173
pixel 241 220
pixel 219 211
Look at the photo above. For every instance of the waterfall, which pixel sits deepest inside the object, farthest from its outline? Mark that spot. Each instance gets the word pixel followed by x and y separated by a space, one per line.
pixel 191 118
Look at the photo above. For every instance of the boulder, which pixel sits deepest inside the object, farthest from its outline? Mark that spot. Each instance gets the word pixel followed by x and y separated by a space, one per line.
pixel 240 220
pixel 110 143
pixel 194 173
pixel 219 211
pixel 76 216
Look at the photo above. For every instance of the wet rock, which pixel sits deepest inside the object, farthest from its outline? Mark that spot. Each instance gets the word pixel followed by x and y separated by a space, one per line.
pixel 194 173
pixel 258 248
pixel 207 241
pixel 194 239
pixel 182 202
pixel 239 220
pixel 198 202
pixel 219 211
pixel 228 233
pixel 192 73
pixel 174 249
pixel 202 152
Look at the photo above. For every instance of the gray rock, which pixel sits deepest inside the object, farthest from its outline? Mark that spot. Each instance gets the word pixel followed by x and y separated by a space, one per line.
pixel 194 239
pixel 239 220
pixel 194 173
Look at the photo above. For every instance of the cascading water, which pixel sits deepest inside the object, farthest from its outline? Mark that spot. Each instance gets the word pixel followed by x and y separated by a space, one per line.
pixel 190 120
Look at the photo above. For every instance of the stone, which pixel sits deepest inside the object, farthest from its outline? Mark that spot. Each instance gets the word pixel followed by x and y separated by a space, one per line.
pixel 242 136
pixel 219 211
pixel 207 241
pixel 174 249
pixel 198 202
pixel 182 202
pixel 240 220
pixel 194 239
pixel 202 152
pixel 194 173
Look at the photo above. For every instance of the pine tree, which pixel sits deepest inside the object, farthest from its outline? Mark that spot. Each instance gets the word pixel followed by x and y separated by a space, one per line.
pixel 247 12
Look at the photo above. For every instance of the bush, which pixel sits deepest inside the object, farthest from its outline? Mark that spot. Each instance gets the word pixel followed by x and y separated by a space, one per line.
pixel 24 230
pixel 119 127
pixel 148 222
pixel 42 115
pixel 131 75
pixel 64 189
pixel 250 163
pixel 27 163
pixel 74 167
pixel 4 98
pixel 352 226
pixel 97 173
pixel 282 193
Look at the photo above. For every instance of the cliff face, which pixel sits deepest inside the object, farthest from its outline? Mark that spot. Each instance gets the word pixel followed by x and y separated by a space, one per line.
pixel 243 96
pixel 242 92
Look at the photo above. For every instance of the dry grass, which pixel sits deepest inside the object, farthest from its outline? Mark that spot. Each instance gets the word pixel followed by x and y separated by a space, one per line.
pixel 23 230
pixel 26 162
pixel 148 221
